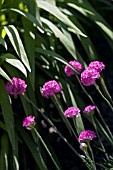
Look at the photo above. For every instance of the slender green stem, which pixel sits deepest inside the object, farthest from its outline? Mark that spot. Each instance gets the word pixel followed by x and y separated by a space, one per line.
pixel 74 122
pixel 63 117
pixel 89 159
pixel 94 124
pixel 56 130
pixel 105 89
pixel 92 155
pixel 107 128
pixel 98 89
pixel 46 148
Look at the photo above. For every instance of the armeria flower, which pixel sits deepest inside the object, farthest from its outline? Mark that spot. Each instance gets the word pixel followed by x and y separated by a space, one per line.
pixel 17 86
pixel 29 122
pixel 97 65
pixel 72 112
pixel 89 109
pixel 86 135
pixel 89 76
pixel 50 88
pixel 69 71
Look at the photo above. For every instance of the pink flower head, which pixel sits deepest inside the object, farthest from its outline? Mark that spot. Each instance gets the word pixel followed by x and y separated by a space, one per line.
pixel 89 108
pixel 86 135
pixel 89 76
pixel 50 88
pixel 29 122
pixel 97 65
pixel 72 111
pixel 17 86
pixel 69 71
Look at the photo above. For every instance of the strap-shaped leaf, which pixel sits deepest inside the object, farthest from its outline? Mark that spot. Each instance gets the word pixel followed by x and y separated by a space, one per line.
pixel 2 41
pixel 58 14
pixel 55 55
pixel 65 41
pixel 2 73
pixel 17 44
pixel 4 152
pixel 28 16
pixel 7 113
pixel 33 149
pixel 86 9
pixel 11 59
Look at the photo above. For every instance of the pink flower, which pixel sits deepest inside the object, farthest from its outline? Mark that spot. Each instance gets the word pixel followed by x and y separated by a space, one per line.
pixel 97 65
pixel 69 71
pixel 89 76
pixel 50 88
pixel 17 86
pixel 86 135
pixel 72 111
pixel 89 108
pixel 29 122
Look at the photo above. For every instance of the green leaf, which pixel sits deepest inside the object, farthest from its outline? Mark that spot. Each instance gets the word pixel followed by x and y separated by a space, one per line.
pixel 79 123
pixel 4 152
pixel 7 113
pixel 33 148
pixel 16 163
pixel 11 59
pixel 2 41
pixel 87 10
pixel 58 14
pixel 2 73
pixel 103 131
pixel 30 47
pixel 65 41
pixel 28 16
pixel 17 44
pixel 58 105
pixel 54 55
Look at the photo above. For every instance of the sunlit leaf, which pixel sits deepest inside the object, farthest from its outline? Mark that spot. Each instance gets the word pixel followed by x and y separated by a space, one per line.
pixel 17 44
pixel 57 13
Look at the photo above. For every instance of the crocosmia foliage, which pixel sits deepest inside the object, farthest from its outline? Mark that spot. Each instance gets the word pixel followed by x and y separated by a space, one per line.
pixel 56 93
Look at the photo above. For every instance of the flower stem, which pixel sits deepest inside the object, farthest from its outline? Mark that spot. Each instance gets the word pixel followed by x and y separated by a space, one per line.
pixel 66 121
pixel 90 160
pixel 94 124
pixel 74 122
pixel 92 155
pixel 98 89
pixel 107 128
pixel 56 130
pixel 46 148
pixel 105 89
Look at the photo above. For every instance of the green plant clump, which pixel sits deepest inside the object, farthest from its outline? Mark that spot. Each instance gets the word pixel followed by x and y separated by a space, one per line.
pixel 56 106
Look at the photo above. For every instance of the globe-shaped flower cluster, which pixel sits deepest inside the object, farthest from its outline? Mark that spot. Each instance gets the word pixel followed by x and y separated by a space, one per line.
pixel 89 76
pixel 72 112
pixel 86 135
pixel 69 71
pixel 50 88
pixel 89 109
pixel 18 86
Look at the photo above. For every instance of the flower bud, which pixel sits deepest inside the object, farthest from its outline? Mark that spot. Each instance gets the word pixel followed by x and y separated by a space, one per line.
pixel 83 146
